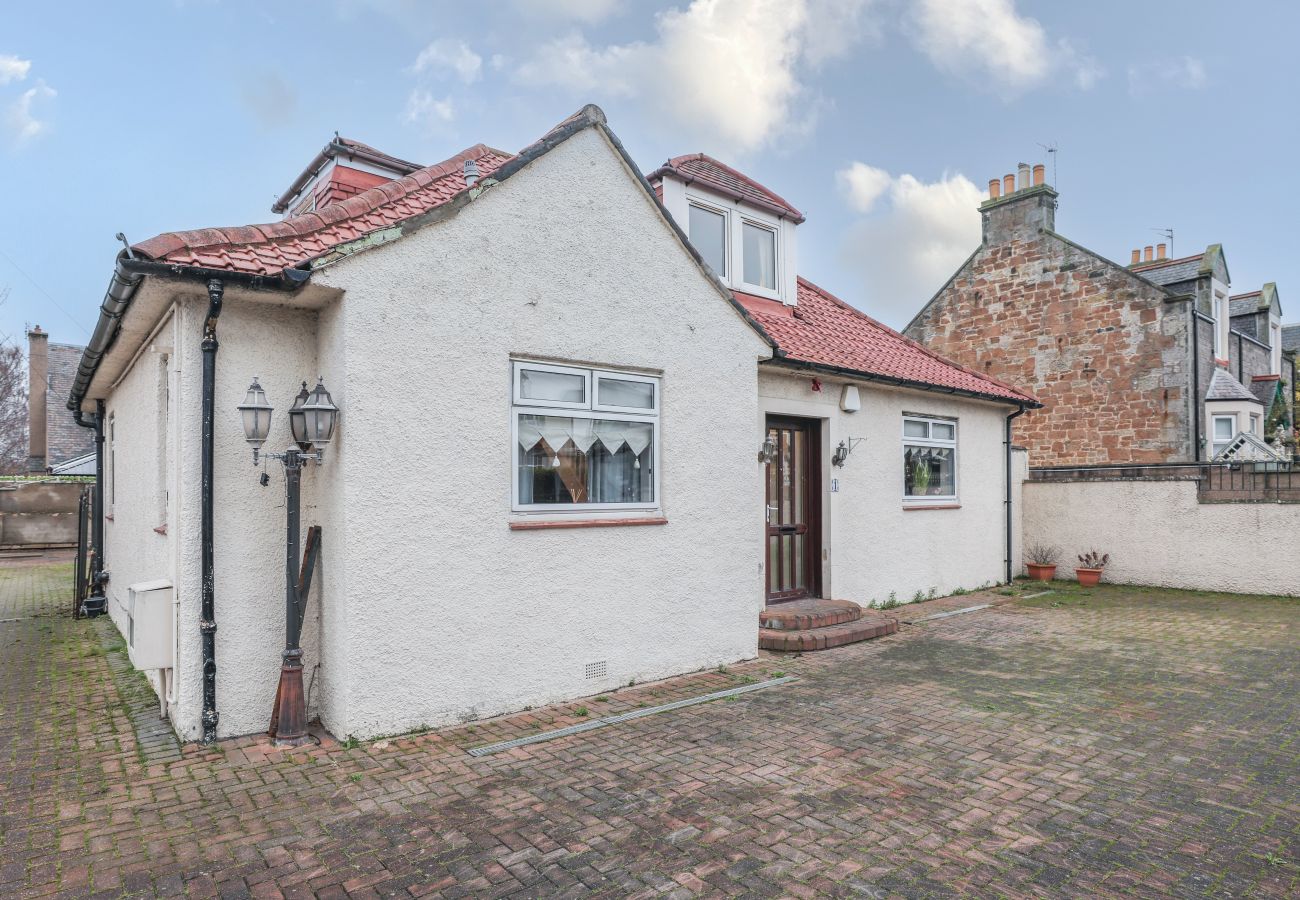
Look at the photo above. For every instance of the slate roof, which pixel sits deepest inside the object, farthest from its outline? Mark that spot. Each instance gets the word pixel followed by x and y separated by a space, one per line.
pixel 269 249
pixel 1291 337
pixel 64 438
pixel 1244 304
pixel 1224 387
pixel 1170 271
pixel 721 178
pixel 1264 388
pixel 825 331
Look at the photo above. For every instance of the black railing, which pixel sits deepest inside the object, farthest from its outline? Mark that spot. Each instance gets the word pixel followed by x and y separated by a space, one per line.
pixel 1227 482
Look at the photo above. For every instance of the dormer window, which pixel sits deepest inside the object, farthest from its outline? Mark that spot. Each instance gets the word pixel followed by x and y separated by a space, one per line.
pixel 760 256
pixel 708 232
pixel 743 246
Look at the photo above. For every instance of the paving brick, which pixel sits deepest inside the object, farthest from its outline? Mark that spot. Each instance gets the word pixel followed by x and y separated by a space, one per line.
pixel 1086 743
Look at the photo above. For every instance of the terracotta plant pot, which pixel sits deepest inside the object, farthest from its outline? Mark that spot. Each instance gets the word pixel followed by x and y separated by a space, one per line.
pixel 1040 572
pixel 1088 577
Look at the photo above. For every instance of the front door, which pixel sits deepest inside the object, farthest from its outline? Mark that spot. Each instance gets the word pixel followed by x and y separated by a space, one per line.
pixel 793 510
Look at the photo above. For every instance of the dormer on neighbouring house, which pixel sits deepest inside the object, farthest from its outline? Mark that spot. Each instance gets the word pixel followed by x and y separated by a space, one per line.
pixel 1203 277
pixel 745 232
pixel 1258 315
pixel 343 169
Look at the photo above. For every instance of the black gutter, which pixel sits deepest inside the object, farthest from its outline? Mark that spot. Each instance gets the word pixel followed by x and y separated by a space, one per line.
pixel 898 382
pixel 1195 392
pixel 128 275
pixel 1015 415
pixel 96 603
pixel 207 617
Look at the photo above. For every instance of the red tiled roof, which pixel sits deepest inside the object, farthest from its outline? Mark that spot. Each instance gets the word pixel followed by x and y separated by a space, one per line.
pixel 727 181
pixel 826 331
pixel 271 248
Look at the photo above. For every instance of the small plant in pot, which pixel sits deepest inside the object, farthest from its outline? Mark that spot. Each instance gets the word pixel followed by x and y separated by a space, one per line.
pixel 1090 565
pixel 1040 560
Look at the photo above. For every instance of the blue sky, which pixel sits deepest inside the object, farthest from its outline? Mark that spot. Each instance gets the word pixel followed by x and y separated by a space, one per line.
pixel 882 120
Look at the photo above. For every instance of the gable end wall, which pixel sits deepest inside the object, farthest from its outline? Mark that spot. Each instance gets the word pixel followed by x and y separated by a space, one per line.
pixel 1105 352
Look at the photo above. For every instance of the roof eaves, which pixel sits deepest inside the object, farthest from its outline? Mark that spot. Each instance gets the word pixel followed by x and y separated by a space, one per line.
pixel 844 371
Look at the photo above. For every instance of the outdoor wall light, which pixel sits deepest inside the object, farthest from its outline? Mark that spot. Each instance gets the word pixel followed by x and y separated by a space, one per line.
pixel 841 454
pixel 767 452
pixel 256 413
pixel 312 419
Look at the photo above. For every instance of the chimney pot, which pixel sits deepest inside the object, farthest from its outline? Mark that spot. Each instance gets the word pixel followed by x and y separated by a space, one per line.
pixel 1022 181
pixel 1137 258
pixel 1008 184
pixel 1040 174
pixel 1148 253
pixel 1161 251
pixel 995 188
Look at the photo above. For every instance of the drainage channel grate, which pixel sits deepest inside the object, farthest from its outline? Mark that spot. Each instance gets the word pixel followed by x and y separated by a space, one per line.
pixel 489 749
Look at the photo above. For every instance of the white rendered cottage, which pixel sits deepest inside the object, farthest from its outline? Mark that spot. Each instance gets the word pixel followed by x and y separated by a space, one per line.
pixel 544 481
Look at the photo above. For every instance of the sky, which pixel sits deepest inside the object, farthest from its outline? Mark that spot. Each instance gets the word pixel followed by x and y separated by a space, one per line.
pixel 882 120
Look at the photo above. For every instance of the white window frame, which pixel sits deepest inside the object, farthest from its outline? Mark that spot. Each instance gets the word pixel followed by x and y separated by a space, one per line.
pixel 520 400
pixel 775 231
pixel 1216 445
pixel 589 410
pixel 599 375
pixel 930 441
pixel 727 255
pixel 737 214
pixel 1256 424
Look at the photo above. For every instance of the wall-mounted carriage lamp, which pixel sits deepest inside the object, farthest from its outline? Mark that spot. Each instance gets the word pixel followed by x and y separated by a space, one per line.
pixel 767 452
pixel 842 452
pixel 312 419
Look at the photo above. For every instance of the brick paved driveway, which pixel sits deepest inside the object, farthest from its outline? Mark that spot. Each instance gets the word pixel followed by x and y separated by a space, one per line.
pixel 1080 744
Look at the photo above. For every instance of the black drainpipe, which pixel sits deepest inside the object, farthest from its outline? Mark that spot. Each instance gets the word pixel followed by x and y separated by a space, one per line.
pixel 207 619
pixel 96 603
pixel 1020 411
pixel 1195 392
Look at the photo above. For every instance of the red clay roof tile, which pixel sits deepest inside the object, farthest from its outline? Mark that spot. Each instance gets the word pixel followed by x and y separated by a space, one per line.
pixel 265 249
pixel 824 330
pixel 720 177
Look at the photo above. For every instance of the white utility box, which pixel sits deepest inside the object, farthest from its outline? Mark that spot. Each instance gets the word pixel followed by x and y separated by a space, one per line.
pixel 149 625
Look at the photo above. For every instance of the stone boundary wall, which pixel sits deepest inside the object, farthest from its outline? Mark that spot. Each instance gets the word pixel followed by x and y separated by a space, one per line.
pixel 1158 532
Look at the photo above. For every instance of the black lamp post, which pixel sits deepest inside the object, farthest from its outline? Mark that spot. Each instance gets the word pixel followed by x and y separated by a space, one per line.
pixel 312 419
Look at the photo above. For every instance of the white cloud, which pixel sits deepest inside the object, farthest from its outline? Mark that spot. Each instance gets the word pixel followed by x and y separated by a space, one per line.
pixel 983 37
pixel 22 121
pixel 573 10
pixel 724 71
pixel 863 185
pixel 905 252
pixel 13 69
pixel 450 57
pixel 423 108
pixel 990 39
pixel 1184 72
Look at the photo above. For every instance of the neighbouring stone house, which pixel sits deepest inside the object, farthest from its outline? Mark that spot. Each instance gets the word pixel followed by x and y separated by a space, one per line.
pixel 1146 363
pixel 589 429
pixel 53 436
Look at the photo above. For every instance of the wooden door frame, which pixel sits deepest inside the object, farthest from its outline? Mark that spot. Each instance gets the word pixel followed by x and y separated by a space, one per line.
pixel 813 537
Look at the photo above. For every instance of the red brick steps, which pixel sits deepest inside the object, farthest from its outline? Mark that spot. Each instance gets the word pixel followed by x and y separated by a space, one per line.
pixel 807 625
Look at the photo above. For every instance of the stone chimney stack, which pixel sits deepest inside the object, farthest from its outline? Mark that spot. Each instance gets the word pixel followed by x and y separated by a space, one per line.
pixel 38 374
pixel 1020 205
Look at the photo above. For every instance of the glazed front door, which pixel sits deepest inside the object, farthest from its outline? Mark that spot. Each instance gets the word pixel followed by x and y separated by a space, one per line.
pixel 793 511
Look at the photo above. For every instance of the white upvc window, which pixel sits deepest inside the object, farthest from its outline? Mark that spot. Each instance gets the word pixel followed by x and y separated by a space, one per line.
pixel 929 460
pixel 1225 429
pixel 741 244
pixel 758 249
pixel 1255 422
pixel 709 229
pixel 583 439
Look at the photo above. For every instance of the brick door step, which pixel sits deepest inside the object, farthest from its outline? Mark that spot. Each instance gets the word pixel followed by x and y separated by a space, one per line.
pixel 870 625
pixel 801 615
